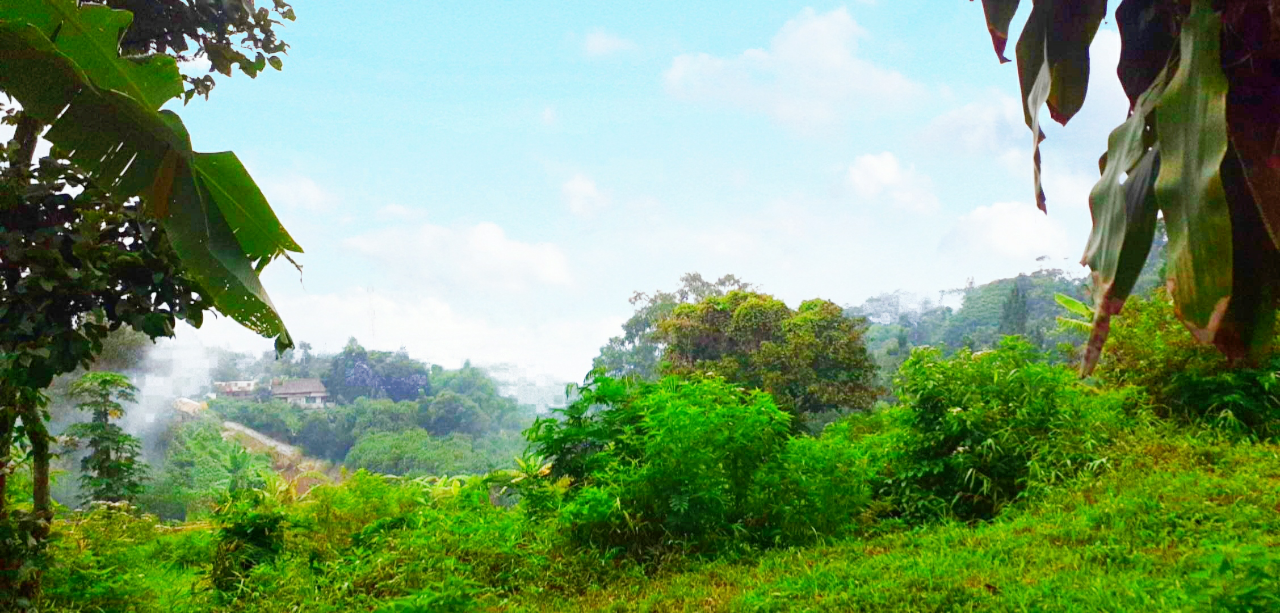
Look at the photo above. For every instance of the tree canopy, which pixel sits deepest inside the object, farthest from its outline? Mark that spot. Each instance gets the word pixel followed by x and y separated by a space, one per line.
pixel 812 359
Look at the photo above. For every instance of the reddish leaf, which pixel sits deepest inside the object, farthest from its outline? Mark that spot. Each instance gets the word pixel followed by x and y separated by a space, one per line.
pixel 1073 26
pixel 1148 35
pixel 1035 78
pixel 999 13
pixel 1251 60
pixel 1247 328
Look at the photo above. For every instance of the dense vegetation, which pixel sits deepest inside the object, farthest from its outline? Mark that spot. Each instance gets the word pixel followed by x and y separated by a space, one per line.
pixel 678 478
pixel 997 480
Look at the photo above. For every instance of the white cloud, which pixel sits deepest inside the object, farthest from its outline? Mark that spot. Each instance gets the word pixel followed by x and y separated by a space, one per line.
pixel 582 195
pixel 881 176
pixel 297 191
pixel 397 212
pixel 1011 230
pixel 808 78
pixel 994 125
pixel 548 116
pixel 478 257
pixel 598 43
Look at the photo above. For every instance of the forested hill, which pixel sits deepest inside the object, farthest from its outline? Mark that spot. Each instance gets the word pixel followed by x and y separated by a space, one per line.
pixel 1022 305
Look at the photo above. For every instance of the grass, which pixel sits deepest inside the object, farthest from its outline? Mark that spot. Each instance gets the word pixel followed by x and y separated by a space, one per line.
pixel 1178 524
pixel 1180 521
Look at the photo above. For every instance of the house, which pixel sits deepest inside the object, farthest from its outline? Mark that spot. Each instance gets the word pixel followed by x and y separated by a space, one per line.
pixel 305 392
pixel 235 389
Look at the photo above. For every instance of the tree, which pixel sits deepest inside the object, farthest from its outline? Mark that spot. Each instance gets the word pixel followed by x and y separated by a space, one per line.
pixel 223 32
pixel 159 231
pixel 112 472
pixel 1013 315
pixel 1197 147
pixel 638 351
pixel 811 359
pixel 357 372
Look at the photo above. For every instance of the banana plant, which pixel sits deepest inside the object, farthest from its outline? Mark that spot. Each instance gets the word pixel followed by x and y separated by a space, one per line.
pixel 1197 147
pixel 62 63
pixel 1077 308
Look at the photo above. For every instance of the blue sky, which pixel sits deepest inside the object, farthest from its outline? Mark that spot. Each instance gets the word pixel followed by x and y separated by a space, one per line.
pixel 492 180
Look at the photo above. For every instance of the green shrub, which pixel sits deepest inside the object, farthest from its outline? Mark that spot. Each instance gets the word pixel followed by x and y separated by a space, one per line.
pixel 416 452
pixel 91 555
pixel 823 486
pixel 250 533
pixel 982 426
pixel 661 463
pixel 1187 381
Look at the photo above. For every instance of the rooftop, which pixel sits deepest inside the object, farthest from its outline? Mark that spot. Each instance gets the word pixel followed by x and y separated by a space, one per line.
pixel 299 386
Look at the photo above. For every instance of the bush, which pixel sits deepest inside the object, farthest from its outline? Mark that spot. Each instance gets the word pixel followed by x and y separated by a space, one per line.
pixel 662 463
pixel 823 486
pixel 1187 381
pixel 250 533
pixel 982 426
pixel 416 452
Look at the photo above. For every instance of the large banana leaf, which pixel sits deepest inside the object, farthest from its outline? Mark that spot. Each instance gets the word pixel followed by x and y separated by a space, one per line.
pixel 1035 77
pixel 1192 125
pixel 1053 62
pixel 1124 210
pixel 1252 117
pixel 63 66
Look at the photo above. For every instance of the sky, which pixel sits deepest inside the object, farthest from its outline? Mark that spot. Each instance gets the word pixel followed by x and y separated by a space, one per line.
pixel 493 180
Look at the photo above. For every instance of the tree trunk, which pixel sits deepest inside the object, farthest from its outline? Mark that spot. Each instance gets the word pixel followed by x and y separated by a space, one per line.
pixel 38 435
pixel 26 135
pixel 8 416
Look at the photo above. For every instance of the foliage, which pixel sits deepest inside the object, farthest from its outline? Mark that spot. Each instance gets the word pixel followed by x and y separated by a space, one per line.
pixel 811 359
pixel 1188 381
pixel 250 533
pixel 113 471
pixel 638 352
pixel 223 32
pixel 1013 313
pixel 897 323
pixel 471 427
pixel 1197 147
pixel 63 65
pixel 982 426
pixel 356 373
pixel 415 452
pixel 663 463
pixel 199 468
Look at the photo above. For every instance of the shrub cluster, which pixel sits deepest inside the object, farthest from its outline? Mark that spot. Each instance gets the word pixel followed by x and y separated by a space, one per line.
pixel 698 462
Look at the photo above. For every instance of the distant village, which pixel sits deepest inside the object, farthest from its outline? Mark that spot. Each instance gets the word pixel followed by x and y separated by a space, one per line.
pixel 302 392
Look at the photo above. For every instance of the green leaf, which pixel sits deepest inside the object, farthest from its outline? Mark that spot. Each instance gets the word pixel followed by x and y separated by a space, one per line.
pixel 1124 210
pixel 211 252
pixel 243 205
pixel 999 13
pixel 90 37
pixel 1192 126
pixel 214 213
pixel 1073 306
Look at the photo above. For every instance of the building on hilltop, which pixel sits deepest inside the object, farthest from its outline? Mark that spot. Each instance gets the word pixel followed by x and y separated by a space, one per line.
pixel 235 389
pixel 305 392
